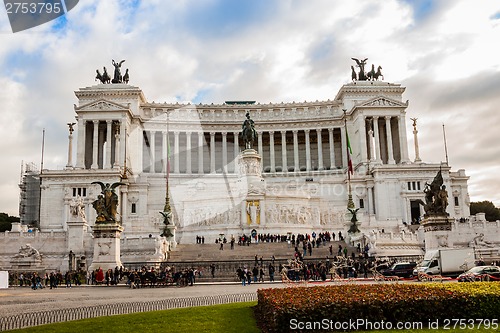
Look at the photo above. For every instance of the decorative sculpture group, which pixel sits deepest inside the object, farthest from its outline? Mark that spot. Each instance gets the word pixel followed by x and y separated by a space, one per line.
pixel 372 75
pixel 106 203
pixel 104 78
pixel 436 197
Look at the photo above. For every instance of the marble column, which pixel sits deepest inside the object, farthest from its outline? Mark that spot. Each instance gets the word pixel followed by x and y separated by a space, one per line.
pixel 390 153
pixel 200 152
pixel 164 151
pixel 283 151
pixel 332 149
pixel 95 145
pixel 224 151
pixel 176 152
pixel 296 151
pixel 124 203
pixel 123 142
pixel 212 152
pixel 362 137
pixel 403 139
pixel 152 148
pixel 107 164
pixel 320 150
pixel 308 151
pixel 80 153
pixel 188 153
pixel 370 200
pixel 236 150
pixel 259 142
pixel 415 139
pixel 378 159
pixel 271 151
pixel 70 148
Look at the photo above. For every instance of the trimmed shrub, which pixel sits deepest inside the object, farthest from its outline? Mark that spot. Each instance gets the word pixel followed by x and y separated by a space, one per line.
pixel 375 303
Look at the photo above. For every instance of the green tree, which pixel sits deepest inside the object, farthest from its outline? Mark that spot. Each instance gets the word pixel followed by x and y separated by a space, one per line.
pixel 6 222
pixel 487 207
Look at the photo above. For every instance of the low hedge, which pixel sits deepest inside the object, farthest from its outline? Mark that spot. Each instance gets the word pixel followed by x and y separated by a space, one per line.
pixel 376 303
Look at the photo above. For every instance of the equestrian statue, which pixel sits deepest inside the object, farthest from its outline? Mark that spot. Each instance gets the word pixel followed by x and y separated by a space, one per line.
pixel 248 133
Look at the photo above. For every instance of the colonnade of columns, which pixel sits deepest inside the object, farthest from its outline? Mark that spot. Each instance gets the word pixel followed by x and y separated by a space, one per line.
pixel 384 142
pixel 99 144
pixel 215 152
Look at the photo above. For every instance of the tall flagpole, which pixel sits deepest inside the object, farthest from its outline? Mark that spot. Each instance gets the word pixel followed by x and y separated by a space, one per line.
pixel 40 190
pixel 445 147
pixel 167 208
pixel 350 203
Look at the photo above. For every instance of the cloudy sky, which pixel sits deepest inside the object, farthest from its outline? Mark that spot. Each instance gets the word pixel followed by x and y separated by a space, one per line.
pixel 446 52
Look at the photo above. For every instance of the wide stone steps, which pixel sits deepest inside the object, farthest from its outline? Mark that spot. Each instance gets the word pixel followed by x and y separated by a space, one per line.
pixel 280 250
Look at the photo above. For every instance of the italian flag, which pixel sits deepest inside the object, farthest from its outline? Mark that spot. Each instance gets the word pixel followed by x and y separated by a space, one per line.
pixel 350 169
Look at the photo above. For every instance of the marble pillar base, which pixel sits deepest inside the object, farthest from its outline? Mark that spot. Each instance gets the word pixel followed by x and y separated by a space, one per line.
pixel 106 246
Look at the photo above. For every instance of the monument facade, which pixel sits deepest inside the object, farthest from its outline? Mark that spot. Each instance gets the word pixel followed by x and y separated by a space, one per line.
pixel 283 171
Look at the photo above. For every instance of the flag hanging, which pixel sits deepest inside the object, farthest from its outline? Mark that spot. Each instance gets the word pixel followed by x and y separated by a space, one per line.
pixel 350 169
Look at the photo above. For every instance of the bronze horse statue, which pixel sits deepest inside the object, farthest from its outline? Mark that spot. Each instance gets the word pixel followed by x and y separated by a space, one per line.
pixel 104 78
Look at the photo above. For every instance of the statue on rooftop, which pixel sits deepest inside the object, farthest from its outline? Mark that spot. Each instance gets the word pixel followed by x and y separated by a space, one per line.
pixel 118 75
pixel 372 75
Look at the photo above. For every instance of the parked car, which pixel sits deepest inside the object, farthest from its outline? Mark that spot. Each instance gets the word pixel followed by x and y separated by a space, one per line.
pixel 401 269
pixel 480 273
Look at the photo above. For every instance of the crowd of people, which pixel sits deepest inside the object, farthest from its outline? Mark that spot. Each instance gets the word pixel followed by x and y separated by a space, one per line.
pixel 47 280
pixel 303 245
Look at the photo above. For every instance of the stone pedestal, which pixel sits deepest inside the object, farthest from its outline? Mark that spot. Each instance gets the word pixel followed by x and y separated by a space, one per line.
pixel 77 228
pixel 252 189
pixel 436 231
pixel 106 246
pixel 171 240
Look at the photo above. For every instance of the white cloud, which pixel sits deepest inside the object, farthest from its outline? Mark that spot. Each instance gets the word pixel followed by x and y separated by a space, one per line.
pixel 297 50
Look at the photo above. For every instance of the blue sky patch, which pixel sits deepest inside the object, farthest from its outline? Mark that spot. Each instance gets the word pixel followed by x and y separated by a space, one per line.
pixel 421 8
pixel 227 17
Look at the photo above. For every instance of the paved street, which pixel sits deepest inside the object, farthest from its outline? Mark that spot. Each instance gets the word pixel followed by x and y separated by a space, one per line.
pixel 23 300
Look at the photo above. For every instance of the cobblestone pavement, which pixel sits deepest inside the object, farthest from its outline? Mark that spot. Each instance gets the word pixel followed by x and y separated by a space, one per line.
pixel 16 300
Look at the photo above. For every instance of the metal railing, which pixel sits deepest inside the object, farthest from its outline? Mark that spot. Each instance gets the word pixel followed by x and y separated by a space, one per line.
pixel 62 315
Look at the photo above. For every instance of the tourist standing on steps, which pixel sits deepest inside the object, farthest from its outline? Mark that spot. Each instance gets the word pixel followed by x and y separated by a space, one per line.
pixel 271 272
pixel 261 274
pixel 255 273
pixel 212 270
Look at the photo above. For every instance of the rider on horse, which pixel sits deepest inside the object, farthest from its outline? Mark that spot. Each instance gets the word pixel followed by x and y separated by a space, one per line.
pixel 248 132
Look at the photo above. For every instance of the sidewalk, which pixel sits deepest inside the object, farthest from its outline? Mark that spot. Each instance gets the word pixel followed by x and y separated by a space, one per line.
pixel 17 300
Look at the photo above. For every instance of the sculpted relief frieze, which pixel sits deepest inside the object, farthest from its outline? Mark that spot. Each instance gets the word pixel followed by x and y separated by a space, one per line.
pixel 208 216
pixel 291 214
